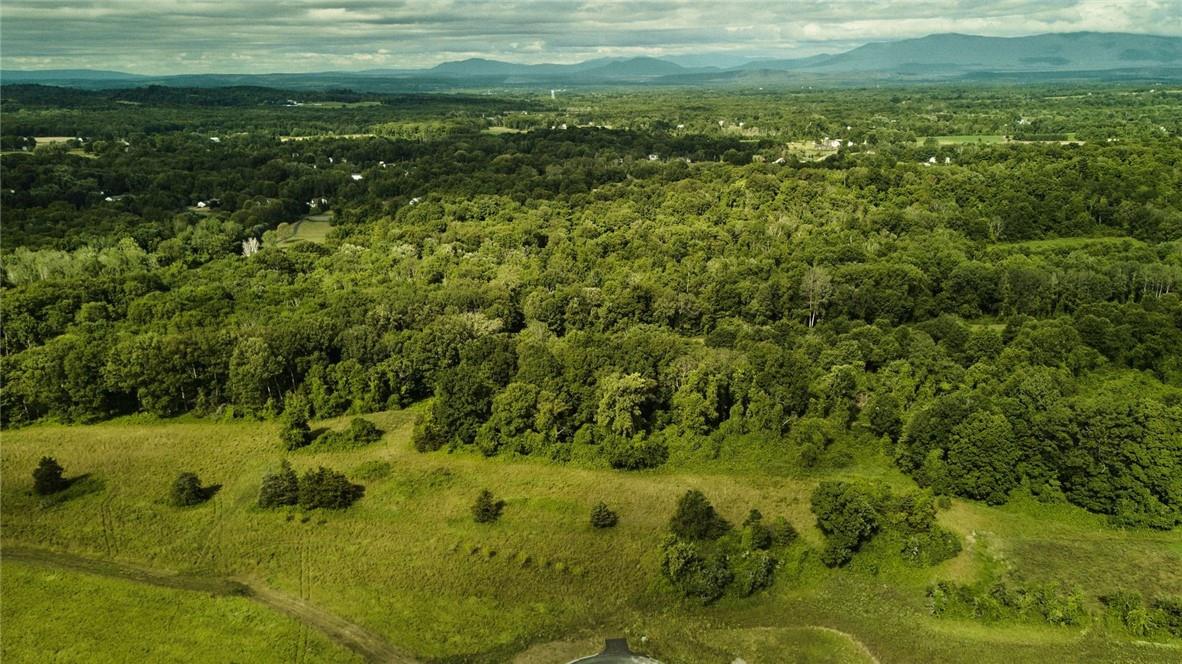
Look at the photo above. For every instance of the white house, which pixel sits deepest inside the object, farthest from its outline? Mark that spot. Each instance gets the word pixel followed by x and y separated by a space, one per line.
pixel 357 176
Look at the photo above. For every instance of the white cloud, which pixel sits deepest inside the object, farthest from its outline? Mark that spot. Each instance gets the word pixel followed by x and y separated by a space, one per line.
pixel 168 36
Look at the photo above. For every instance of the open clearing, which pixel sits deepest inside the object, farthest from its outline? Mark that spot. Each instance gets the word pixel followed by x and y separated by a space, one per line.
pixel 369 646
pixel 408 564
pixel 312 228
pixel 60 614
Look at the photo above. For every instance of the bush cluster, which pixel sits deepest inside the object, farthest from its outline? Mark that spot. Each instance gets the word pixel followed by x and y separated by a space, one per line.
pixel 1004 599
pixel 320 488
pixel 703 556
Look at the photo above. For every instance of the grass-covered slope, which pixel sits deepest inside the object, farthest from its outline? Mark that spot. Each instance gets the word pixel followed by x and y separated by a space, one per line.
pixel 55 615
pixel 408 562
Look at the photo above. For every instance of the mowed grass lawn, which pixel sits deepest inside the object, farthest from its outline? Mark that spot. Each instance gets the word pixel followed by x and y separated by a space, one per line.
pixel 53 615
pixel 408 562
pixel 313 228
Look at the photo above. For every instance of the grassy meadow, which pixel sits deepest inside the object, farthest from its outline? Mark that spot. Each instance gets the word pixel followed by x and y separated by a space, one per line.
pixel 53 615
pixel 408 562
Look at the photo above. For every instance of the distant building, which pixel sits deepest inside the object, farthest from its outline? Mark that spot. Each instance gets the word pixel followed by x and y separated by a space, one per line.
pixel 357 176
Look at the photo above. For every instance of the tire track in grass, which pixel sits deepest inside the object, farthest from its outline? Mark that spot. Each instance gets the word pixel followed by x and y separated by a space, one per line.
pixel 370 646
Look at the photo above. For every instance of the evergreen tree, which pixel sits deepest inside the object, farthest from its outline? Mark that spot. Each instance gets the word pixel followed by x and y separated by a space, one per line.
pixel 602 516
pixel 47 478
pixel 696 519
pixel 280 488
pixel 487 508
pixel 327 488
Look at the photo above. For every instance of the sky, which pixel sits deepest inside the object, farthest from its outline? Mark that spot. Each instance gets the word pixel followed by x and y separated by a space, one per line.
pixel 262 36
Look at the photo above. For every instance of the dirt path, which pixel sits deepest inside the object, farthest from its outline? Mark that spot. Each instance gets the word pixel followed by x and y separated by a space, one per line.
pixel 372 647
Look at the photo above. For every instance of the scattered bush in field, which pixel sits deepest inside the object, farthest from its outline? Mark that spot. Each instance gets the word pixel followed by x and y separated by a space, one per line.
pixel 783 532
pixel 360 432
pixel 1003 599
pixel 1163 616
pixel 695 518
pixel 755 572
pixel 427 435
pixel 327 488
pixel 187 491
pixel 487 508
pixel 294 433
pixel 847 516
pixel 930 547
pixel 280 488
pixel 693 573
pixel 756 535
pixel 47 477
pixel 603 517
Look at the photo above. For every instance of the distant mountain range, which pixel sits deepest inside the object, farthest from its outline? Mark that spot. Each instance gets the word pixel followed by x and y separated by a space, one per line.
pixel 1082 55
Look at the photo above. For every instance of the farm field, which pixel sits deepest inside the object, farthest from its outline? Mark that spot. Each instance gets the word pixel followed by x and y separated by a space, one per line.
pixel 408 563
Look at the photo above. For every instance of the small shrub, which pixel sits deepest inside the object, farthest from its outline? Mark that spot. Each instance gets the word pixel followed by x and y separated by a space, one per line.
pixel 756 572
pixel 187 491
pixel 294 433
pixel 47 477
pixel 931 547
pixel 695 518
pixel 757 537
pixel 783 532
pixel 487 508
pixel 693 573
pixel 427 436
pixel 279 488
pixel 327 488
pixel 603 517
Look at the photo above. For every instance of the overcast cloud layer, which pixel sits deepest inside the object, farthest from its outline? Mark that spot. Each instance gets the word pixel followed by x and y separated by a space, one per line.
pixel 257 36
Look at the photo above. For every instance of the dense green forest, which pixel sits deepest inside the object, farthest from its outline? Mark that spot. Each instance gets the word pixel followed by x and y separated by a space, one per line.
pixel 754 372
pixel 599 278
